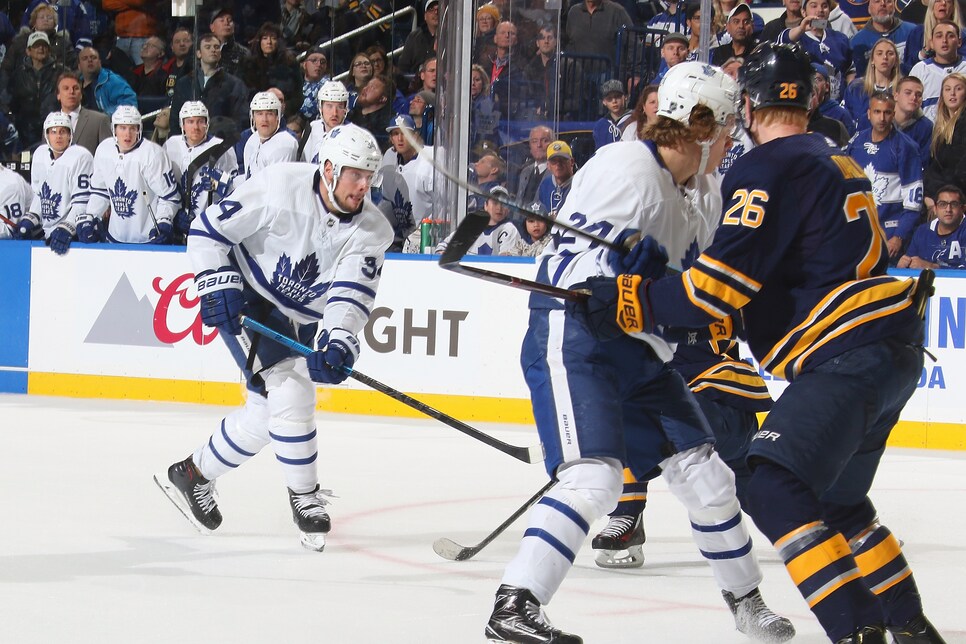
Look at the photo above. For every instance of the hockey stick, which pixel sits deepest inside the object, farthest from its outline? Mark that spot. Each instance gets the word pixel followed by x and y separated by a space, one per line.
pixel 12 225
pixel 463 237
pixel 526 454
pixel 449 549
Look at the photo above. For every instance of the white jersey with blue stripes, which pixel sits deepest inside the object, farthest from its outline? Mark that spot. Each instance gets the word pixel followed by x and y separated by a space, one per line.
pixel 62 186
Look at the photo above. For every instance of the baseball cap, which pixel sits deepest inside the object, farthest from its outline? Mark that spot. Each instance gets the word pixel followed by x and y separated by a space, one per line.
pixel 401 121
pixel 429 3
pixel 37 36
pixel 501 192
pixel 820 69
pixel 613 86
pixel 676 36
pixel 218 10
pixel 741 6
pixel 559 149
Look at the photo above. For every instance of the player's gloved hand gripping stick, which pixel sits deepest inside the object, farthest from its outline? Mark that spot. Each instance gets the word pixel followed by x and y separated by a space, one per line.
pixel 525 454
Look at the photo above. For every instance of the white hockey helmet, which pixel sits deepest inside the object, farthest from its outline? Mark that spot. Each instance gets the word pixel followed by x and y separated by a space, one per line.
pixel 349 146
pixel 192 109
pixel 333 91
pixel 692 83
pixel 57 119
pixel 126 115
pixel 265 102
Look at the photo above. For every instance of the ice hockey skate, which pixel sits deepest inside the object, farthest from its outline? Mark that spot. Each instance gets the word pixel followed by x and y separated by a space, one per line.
pixel 756 620
pixel 192 494
pixel 866 635
pixel 917 631
pixel 618 545
pixel 518 619
pixel 308 511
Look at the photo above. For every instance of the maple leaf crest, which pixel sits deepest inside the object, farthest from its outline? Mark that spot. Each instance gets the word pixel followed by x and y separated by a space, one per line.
pixel 49 203
pixel 297 283
pixel 122 199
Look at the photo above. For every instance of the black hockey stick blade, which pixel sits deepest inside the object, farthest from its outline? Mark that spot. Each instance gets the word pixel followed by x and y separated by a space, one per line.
pixel 923 291
pixel 449 549
pixel 532 454
pixel 463 237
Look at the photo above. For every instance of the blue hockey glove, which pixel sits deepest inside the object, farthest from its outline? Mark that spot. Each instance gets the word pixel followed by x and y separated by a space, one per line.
pixel 28 227
pixel 221 299
pixel 182 221
pixel 161 233
pixel 719 332
pixel 214 180
pixel 61 237
pixel 88 231
pixel 337 352
pixel 646 257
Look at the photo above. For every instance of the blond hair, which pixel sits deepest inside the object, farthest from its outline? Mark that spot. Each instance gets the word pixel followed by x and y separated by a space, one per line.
pixel 930 22
pixel 945 124
pixel 868 83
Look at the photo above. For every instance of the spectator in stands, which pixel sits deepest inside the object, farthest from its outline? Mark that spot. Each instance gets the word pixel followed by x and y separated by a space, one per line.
pixel 380 61
pixel 360 73
pixel 43 19
pixel 919 45
pixel 134 22
pixel 315 68
pixel 671 20
pixel 417 107
pixel 882 75
pixel 535 235
pixel 645 113
pixel 372 110
pixel 33 81
pixel 421 44
pixel 939 243
pixel 945 44
pixel 427 75
pixel 722 11
pixel 527 183
pixel 791 17
pixel 487 18
pixel 732 65
pixel 948 161
pixel 182 60
pixel 824 103
pixel 840 21
pixel 833 130
pixel 485 118
pixel 541 75
pixel 150 79
pixel 742 39
pixel 222 93
pixel 271 65
pixel 611 126
pixel 674 50
pixel 883 23
pixel 103 89
pixel 90 126
pixel 592 27
pixel 490 170
pixel 76 17
pixel 823 45
pixel 909 117
pixel 295 23
pixel 503 67
pixel 222 24
pixel 560 173
pixel 693 19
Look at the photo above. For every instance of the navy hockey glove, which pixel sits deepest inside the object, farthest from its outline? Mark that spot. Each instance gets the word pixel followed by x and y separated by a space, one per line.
pixel 61 237
pixel 332 363
pixel 88 231
pixel 615 306
pixel 161 233
pixel 646 257
pixel 214 180
pixel 221 299
pixel 182 221
pixel 28 227
pixel 720 332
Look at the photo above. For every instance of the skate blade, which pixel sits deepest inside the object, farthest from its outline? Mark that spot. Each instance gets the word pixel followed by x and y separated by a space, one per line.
pixel 632 557
pixel 314 541
pixel 174 495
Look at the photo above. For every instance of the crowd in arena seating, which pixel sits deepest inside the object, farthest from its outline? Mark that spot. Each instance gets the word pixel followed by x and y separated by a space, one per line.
pixel 547 87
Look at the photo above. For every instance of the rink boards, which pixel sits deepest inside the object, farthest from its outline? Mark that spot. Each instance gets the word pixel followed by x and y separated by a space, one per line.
pixel 123 322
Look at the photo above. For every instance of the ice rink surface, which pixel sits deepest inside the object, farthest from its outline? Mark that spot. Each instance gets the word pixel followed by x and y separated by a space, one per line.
pixel 92 551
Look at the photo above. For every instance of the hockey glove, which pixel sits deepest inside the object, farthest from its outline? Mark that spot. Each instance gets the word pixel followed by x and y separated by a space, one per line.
pixel 28 227
pixel 221 299
pixel 88 231
pixel 646 257
pixel 61 237
pixel 214 180
pixel 615 306
pixel 161 233
pixel 720 332
pixel 332 363
pixel 182 221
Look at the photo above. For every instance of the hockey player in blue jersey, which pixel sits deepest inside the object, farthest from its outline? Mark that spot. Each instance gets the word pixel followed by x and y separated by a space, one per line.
pixel 939 243
pixel 800 258
pixel 891 161
pixel 599 406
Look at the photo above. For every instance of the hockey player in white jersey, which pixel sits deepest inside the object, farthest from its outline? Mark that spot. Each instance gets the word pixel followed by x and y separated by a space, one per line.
pixel 600 404
pixel 268 144
pixel 214 178
pixel 15 197
pixel 133 178
pixel 60 178
pixel 333 107
pixel 299 248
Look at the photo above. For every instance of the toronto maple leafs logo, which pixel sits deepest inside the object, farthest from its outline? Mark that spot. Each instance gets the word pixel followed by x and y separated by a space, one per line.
pixel 49 203
pixel 122 199
pixel 880 183
pixel 196 190
pixel 298 283
pixel 403 212
pixel 690 255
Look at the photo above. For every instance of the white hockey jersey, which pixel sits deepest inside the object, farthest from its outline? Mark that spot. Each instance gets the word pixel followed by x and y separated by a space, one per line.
pixel 15 196
pixel 61 187
pixel 418 174
pixel 281 147
pixel 138 186
pixel 311 264
pixel 180 154
pixel 641 196
pixel 310 153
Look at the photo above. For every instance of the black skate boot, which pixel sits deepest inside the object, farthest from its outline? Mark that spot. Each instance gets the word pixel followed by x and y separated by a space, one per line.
pixel 618 545
pixel 866 635
pixel 192 494
pixel 308 511
pixel 756 620
pixel 917 631
pixel 518 619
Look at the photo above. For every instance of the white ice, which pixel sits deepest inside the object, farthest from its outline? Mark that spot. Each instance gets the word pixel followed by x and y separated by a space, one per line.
pixel 92 551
